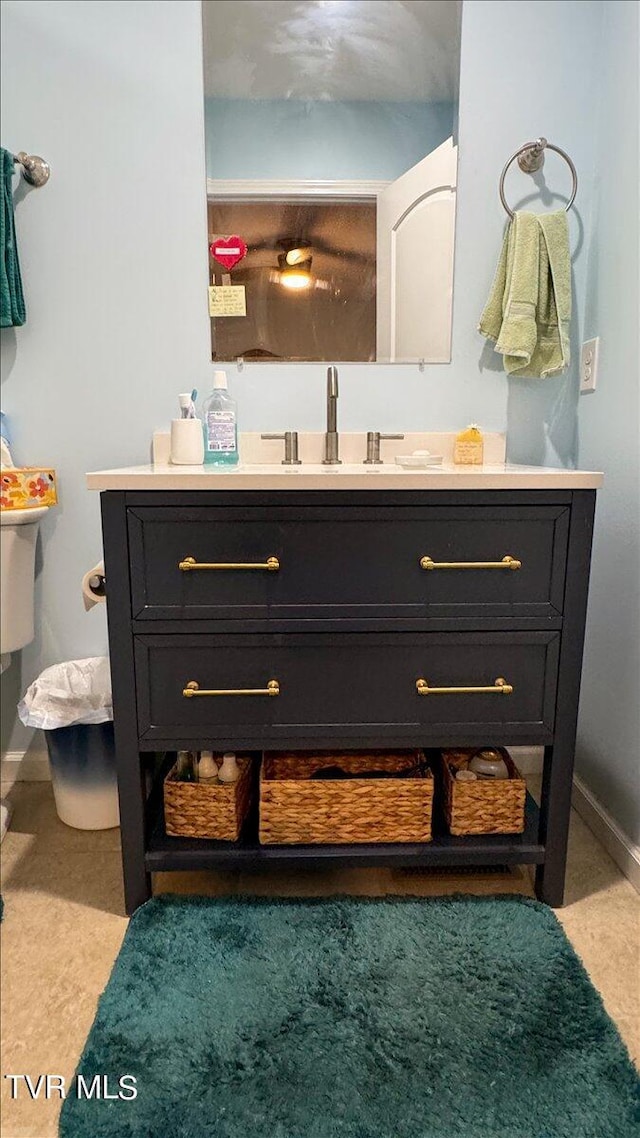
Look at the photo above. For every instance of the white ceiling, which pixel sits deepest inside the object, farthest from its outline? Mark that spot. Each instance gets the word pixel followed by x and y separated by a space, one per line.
pixel 385 50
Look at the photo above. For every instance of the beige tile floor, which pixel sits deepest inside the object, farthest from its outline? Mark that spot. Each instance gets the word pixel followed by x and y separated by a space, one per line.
pixel 64 923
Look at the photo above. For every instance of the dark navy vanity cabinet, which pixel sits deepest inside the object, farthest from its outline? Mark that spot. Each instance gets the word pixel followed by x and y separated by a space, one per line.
pixel 345 601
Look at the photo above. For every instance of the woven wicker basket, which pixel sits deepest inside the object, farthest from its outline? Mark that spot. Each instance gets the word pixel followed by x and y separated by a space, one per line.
pixel 294 808
pixel 195 810
pixel 486 806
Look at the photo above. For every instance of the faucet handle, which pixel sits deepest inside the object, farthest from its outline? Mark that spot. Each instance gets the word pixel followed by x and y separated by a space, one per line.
pixel 290 447
pixel 373 447
pixel 332 382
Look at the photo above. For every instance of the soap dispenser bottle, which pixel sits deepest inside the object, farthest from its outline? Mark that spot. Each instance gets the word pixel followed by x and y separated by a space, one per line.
pixel 229 771
pixel 207 769
pixel 220 424
pixel 469 446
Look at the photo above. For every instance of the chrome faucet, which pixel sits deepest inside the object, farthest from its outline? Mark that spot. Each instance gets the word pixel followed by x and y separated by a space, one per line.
pixel 332 438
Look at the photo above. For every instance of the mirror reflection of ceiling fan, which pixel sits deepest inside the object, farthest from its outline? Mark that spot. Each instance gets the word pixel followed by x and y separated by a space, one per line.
pixel 294 266
pixel 295 259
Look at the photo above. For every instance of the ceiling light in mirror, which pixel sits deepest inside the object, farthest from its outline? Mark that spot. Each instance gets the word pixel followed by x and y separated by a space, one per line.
pixel 296 277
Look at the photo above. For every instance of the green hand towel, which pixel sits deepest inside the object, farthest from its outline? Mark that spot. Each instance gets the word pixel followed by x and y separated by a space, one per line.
pixel 528 312
pixel 12 309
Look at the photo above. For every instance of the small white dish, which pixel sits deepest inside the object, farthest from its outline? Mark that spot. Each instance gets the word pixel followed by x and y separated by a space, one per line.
pixel 419 461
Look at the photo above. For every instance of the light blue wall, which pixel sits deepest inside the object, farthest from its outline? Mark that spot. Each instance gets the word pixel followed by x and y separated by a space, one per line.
pixel 293 138
pixel 114 261
pixel 609 728
pixel 114 256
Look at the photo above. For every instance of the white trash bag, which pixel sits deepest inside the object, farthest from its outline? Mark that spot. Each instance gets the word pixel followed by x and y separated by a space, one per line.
pixel 78 691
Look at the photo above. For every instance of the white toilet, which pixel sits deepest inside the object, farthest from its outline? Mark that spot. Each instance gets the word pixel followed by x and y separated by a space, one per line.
pixel 18 534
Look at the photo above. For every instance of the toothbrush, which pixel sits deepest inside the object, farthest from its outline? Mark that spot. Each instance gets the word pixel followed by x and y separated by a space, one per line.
pixel 187 404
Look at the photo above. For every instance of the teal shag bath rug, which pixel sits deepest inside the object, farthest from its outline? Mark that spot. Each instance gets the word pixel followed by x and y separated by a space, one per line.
pixel 395 1017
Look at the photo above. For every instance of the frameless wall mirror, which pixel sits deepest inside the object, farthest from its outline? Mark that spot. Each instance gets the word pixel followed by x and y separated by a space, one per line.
pixel 331 178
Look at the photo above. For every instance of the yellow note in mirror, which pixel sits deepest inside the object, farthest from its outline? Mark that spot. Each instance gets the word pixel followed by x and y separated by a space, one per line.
pixel 227 300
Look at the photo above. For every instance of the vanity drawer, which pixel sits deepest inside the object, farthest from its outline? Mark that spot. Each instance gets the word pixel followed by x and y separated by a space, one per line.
pixel 316 686
pixel 365 562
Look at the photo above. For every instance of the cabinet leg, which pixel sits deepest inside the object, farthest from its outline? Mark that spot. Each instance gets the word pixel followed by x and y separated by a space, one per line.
pixel 555 809
pixel 550 885
pixel 131 791
pixel 137 887
pixel 555 806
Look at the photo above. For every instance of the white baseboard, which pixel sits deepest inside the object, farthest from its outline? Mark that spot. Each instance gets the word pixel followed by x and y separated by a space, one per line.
pixel 617 844
pixel 24 766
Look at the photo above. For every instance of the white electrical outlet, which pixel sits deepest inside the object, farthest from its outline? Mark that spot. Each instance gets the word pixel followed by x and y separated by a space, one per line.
pixel 589 365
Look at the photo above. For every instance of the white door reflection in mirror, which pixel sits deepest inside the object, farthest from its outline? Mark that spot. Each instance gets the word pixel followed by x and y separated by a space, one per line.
pixel 415 238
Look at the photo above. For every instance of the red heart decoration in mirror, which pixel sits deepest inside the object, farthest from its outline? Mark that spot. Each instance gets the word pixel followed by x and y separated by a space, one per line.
pixel 228 250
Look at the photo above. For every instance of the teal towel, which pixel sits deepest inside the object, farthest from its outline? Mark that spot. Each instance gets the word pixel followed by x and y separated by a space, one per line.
pixel 12 309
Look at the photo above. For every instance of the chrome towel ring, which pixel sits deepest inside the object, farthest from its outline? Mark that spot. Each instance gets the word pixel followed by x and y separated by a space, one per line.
pixel 530 158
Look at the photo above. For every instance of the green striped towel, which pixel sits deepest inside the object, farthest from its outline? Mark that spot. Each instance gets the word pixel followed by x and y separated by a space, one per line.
pixel 12 310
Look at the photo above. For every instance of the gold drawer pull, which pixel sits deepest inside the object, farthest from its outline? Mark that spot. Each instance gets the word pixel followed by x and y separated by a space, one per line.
pixel 271 564
pixel 506 563
pixel 193 688
pixel 501 686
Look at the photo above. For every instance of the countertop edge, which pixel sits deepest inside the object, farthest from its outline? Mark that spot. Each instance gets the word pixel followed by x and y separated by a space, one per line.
pixel 509 479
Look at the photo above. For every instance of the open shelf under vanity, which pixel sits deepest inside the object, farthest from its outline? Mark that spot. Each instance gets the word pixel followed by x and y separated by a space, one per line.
pixel 164 852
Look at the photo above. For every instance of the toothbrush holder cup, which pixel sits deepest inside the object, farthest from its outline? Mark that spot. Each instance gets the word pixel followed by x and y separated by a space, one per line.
pixel 187 442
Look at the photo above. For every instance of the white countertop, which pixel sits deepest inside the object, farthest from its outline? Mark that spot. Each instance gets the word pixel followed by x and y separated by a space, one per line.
pixel 351 476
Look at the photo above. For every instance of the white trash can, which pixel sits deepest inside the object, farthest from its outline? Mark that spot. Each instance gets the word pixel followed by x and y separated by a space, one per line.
pixel 71 703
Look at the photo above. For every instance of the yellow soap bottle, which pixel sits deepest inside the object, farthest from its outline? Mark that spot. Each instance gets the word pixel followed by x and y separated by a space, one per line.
pixel 469 446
